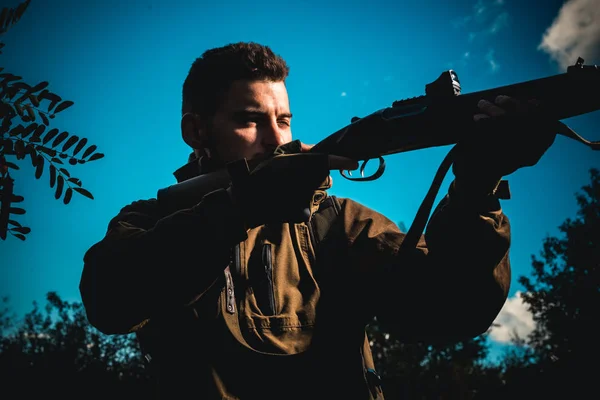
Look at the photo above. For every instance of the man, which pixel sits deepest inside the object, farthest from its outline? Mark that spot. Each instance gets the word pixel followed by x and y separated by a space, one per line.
pixel 235 298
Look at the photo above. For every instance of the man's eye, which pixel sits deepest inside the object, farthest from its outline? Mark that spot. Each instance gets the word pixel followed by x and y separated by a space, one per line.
pixel 246 120
pixel 284 122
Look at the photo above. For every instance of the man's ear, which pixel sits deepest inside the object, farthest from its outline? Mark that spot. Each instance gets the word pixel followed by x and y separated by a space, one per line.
pixel 193 132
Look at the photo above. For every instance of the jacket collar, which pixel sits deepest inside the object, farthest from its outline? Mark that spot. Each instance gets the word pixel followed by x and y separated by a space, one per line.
pixel 195 167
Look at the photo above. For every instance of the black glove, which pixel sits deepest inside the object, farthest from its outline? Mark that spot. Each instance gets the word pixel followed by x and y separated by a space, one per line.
pixel 280 188
pixel 508 135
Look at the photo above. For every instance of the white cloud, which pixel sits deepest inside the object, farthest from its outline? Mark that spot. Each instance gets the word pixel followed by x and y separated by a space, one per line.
pixel 575 32
pixel 487 18
pixel 491 60
pixel 500 21
pixel 343 94
pixel 514 317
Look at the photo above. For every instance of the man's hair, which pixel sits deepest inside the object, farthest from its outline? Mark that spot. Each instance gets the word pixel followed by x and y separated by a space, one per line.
pixel 212 74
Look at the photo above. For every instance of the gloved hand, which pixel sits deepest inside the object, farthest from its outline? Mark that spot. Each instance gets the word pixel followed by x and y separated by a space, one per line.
pixel 509 134
pixel 281 188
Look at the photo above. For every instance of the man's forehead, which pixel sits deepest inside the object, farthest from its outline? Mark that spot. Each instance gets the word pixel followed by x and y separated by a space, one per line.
pixel 257 95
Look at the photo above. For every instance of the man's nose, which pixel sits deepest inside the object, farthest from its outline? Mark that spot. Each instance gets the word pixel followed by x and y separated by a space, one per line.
pixel 272 136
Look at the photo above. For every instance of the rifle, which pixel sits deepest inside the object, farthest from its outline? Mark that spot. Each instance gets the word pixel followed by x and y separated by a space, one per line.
pixel 422 122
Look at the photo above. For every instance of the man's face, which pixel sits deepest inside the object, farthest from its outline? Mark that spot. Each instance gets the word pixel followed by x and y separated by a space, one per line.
pixel 254 118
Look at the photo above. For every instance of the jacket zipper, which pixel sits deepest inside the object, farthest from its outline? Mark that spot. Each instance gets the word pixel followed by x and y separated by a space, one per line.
pixel 237 262
pixel 267 260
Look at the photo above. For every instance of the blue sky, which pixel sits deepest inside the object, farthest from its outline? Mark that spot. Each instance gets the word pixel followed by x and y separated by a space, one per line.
pixel 123 64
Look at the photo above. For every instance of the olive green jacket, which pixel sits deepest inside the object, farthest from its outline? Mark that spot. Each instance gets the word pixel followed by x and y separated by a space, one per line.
pixel 229 313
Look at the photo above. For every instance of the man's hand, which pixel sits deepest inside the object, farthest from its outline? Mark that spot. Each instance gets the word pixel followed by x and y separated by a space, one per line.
pixel 281 188
pixel 510 135
pixel 335 162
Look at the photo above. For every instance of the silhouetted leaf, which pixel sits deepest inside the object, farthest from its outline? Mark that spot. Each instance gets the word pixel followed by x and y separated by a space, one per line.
pixel 42 95
pixel 9 17
pixel 16 199
pixel 68 195
pixel 54 99
pixel 89 151
pixel 80 146
pixel 20 110
pixel 3 18
pixel 52 175
pixel 57 160
pixel 39 86
pixel 20 149
pixel 50 135
pixel 73 161
pixel 37 135
pixel 8 77
pixel 15 223
pixel 63 106
pixel 5 109
pixel 16 210
pixel 60 181
pixel 22 229
pixel 34 159
pixel 39 170
pixel 11 92
pixel 75 181
pixel 29 129
pixel 8 147
pixel 72 140
pixel 62 136
pixel 50 96
pixel 65 172
pixel 29 148
pixel 34 100
pixel 17 130
pixel 96 156
pixel 29 111
pixel 18 235
pixel 46 150
pixel 44 118
pixel 21 9
pixel 84 192
pixel 11 165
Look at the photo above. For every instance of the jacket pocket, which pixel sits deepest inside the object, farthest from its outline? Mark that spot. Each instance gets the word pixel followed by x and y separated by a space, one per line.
pixel 267 261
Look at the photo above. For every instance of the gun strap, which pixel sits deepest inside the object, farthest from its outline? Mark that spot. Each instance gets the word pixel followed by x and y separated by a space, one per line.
pixel 418 225
pixel 570 133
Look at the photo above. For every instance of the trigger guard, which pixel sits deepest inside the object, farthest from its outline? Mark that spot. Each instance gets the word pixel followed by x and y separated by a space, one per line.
pixel 374 176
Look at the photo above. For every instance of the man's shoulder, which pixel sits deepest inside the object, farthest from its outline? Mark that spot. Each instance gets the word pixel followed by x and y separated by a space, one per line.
pixel 357 211
pixel 138 213
pixel 144 206
pixel 348 204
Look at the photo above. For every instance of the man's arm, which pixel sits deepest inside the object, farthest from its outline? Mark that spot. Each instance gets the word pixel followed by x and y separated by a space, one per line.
pixel 147 262
pixel 451 287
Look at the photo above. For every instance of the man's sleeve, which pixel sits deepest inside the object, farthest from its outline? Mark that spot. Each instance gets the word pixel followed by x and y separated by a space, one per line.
pixel 451 286
pixel 147 263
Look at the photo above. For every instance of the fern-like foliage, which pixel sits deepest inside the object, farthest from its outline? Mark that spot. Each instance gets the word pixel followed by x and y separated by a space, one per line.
pixel 25 133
